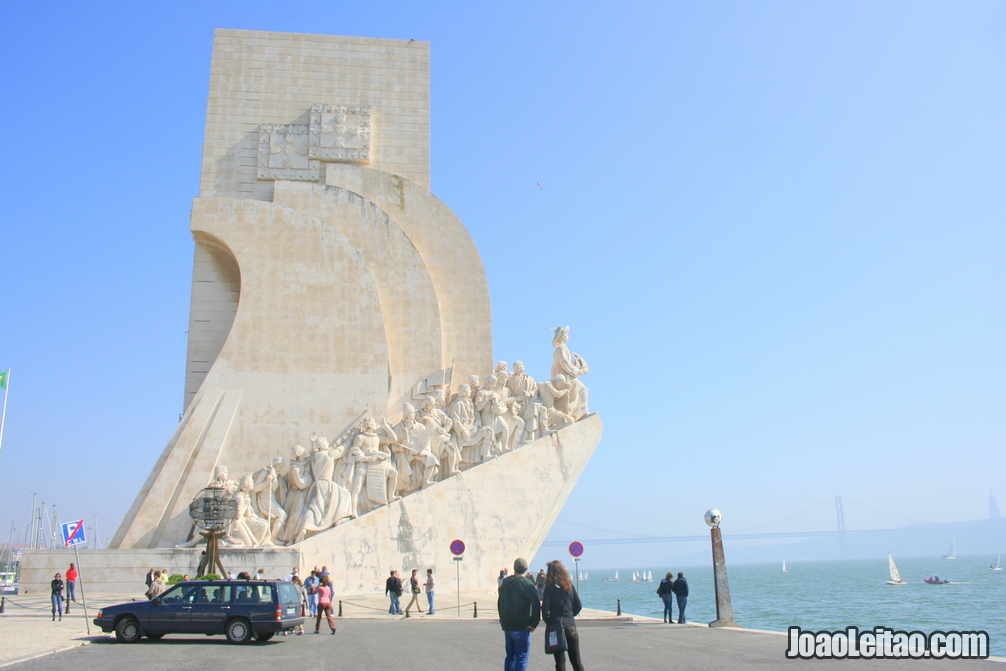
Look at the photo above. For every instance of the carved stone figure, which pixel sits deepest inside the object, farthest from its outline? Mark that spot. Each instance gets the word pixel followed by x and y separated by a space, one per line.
pixel 298 480
pixel 469 436
pixel 501 372
pixel 381 476
pixel 484 400
pixel 521 385
pixel 248 529
pixel 444 447
pixel 572 366
pixel 327 501
pixel 555 397
pixel 414 439
pixel 221 479
pixel 270 492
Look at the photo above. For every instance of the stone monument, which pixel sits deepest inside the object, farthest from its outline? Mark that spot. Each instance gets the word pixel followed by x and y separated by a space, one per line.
pixel 340 341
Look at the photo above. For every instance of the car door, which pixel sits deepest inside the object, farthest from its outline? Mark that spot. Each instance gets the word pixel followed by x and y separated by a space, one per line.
pixel 211 607
pixel 171 612
pixel 256 601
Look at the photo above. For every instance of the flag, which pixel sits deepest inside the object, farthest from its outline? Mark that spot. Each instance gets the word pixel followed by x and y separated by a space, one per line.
pixel 3 379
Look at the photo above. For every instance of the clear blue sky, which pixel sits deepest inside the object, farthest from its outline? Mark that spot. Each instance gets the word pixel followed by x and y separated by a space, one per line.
pixel 774 228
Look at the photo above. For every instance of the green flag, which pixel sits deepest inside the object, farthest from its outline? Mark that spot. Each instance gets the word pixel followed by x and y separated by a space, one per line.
pixel 3 379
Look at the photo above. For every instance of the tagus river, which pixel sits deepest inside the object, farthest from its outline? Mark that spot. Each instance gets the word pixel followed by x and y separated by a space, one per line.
pixel 827 595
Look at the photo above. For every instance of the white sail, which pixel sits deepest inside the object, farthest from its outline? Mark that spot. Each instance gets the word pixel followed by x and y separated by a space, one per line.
pixel 998 566
pixel 952 554
pixel 895 573
pixel 784 566
pixel 649 576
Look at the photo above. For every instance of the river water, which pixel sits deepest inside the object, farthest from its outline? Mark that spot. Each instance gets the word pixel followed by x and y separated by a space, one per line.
pixel 827 595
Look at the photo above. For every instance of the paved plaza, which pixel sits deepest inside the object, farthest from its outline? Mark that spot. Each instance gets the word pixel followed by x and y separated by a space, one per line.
pixel 372 641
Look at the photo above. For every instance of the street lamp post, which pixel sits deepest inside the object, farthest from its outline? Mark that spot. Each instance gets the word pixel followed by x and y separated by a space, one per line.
pixel 724 609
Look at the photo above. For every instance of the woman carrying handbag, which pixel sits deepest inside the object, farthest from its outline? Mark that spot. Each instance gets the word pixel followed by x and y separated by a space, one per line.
pixel 559 606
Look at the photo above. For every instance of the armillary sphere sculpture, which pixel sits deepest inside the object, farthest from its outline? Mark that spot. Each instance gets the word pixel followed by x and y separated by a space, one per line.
pixel 213 510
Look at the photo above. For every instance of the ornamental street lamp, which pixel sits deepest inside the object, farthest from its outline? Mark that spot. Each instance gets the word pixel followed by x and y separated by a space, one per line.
pixel 213 510
pixel 724 610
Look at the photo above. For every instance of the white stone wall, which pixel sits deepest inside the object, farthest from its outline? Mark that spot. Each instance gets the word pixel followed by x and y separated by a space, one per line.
pixel 125 571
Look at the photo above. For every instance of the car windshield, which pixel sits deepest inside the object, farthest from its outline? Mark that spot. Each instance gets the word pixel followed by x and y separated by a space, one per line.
pixel 183 593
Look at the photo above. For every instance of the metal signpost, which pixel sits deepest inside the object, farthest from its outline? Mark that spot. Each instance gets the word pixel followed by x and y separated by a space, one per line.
pixel 73 534
pixel 576 549
pixel 458 549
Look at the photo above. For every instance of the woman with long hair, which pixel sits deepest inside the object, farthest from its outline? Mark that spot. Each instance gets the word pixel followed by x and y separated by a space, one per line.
pixel 57 597
pixel 561 604
pixel 324 592
pixel 666 593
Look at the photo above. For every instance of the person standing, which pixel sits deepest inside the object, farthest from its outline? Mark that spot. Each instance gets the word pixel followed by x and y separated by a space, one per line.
pixel 681 594
pixel 324 592
pixel 666 593
pixel 157 586
pixel 540 581
pixel 299 586
pixel 414 587
pixel 520 613
pixel 393 588
pixel 57 597
pixel 71 584
pixel 431 585
pixel 312 599
pixel 150 578
pixel 559 606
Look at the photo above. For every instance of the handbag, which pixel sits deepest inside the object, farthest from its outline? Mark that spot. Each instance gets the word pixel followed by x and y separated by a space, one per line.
pixel 555 638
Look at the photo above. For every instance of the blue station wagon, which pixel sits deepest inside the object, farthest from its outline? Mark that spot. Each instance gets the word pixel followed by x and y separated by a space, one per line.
pixel 239 609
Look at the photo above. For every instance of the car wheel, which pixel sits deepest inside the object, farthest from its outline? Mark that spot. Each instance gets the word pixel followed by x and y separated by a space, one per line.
pixel 155 637
pixel 239 631
pixel 262 638
pixel 127 630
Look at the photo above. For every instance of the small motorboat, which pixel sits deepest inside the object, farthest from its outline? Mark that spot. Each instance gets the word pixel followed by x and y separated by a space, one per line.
pixel 935 580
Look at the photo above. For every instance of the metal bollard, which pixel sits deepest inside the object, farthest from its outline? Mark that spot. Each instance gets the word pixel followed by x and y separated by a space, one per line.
pixel 3 603
pixel 619 607
pixel 476 609
pixel 340 607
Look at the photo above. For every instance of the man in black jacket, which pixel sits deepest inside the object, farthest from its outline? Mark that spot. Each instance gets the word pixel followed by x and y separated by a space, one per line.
pixel 680 590
pixel 393 588
pixel 520 613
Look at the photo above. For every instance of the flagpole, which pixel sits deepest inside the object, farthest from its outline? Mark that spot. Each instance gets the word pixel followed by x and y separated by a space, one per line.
pixel 3 417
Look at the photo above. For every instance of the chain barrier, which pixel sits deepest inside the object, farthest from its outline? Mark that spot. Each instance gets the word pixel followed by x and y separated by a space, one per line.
pixel 382 609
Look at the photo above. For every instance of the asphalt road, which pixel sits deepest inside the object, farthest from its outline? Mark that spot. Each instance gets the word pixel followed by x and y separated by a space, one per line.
pixel 443 645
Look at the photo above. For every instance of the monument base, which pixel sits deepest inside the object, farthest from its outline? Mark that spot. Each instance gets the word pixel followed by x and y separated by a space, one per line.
pixel 125 571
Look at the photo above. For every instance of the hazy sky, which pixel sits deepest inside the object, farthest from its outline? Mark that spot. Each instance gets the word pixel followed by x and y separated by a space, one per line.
pixel 774 228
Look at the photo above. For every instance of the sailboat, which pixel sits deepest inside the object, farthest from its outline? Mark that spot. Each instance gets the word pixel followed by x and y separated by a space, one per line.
pixel 635 577
pixel 952 554
pixel 784 566
pixel 998 564
pixel 649 576
pixel 895 573
pixel 615 579
pixel 584 576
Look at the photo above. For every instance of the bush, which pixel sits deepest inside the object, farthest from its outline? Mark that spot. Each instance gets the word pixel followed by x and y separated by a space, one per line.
pixel 175 579
pixel 208 576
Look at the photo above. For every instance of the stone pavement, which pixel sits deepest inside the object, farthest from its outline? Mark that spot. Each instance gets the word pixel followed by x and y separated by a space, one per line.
pixel 376 641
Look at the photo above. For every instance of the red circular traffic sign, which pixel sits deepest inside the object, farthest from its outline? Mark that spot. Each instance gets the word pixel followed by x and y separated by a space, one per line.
pixel 576 548
pixel 458 547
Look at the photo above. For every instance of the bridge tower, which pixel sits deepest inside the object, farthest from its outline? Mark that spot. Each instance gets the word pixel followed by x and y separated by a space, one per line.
pixel 843 546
